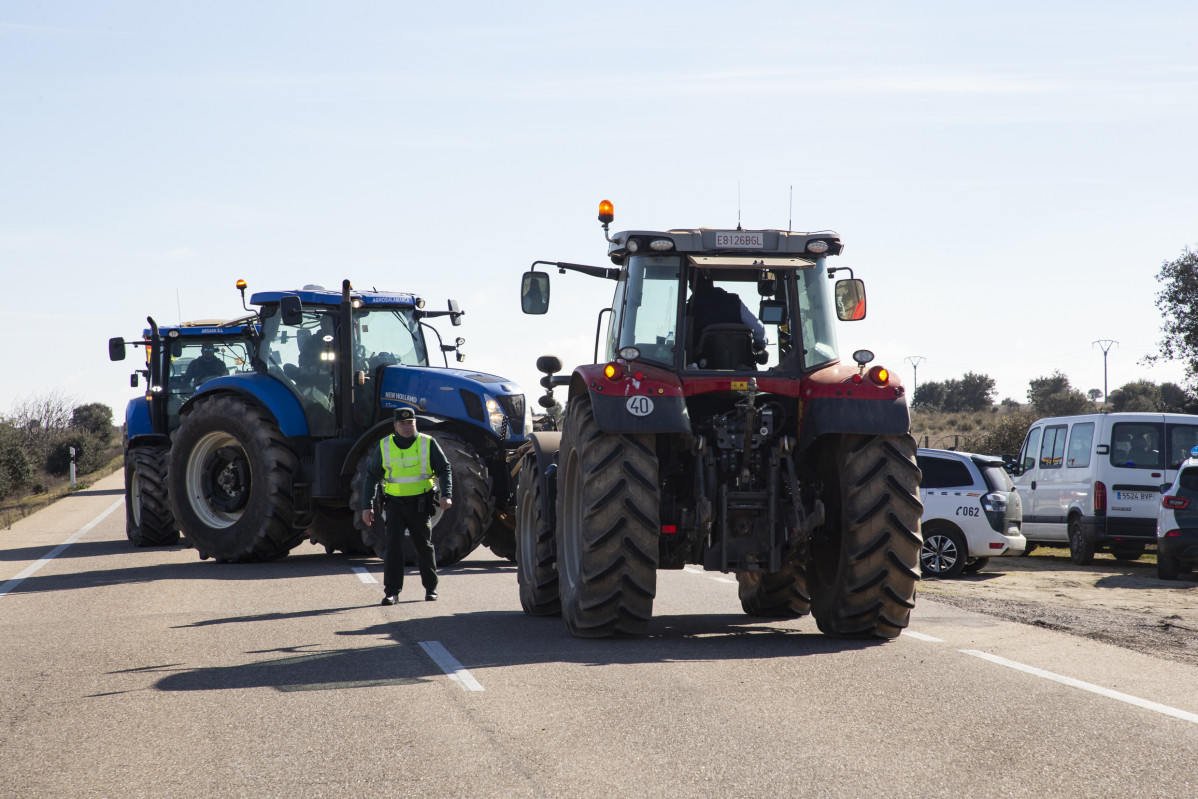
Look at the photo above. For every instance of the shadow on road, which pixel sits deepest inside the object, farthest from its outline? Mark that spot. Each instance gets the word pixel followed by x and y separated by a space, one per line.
pixel 498 639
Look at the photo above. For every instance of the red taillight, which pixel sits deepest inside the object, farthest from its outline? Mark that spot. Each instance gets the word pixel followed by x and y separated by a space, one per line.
pixel 1175 503
pixel 1099 496
pixel 669 528
pixel 1173 534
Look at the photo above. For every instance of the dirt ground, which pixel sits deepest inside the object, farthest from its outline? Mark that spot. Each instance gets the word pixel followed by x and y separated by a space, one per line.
pixel 1120 603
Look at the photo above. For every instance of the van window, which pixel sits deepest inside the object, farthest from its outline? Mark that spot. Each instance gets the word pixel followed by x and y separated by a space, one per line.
pixel 943 473
pixel 1182 438
pixel 1137 445
pixel 1081 442
pixel 1052 451
pixel 1027 458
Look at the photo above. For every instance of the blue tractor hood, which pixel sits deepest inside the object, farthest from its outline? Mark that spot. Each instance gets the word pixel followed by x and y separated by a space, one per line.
pixel 495 404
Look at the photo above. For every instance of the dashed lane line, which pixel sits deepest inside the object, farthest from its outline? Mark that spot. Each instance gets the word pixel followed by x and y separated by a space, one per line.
pixel 364 575
pixel 1118 696
pixel 450 665
pixel 58 550
pixel 1086 686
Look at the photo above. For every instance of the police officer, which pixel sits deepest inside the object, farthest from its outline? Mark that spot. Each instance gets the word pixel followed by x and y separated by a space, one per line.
pixel 406 463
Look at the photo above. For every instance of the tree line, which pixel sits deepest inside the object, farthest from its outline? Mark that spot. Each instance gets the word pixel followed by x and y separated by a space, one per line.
pixel 37 436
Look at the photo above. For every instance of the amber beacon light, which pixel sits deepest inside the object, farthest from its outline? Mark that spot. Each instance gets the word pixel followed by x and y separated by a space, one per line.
pixel 607 212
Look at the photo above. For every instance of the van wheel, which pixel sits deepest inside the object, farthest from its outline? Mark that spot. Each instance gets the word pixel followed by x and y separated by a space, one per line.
pixel 1081 550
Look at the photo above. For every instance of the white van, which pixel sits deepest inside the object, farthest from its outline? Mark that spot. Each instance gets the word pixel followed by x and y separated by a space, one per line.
pixel 1094 481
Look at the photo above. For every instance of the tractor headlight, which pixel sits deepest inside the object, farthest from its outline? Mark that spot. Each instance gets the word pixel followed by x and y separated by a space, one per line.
pixel 495 416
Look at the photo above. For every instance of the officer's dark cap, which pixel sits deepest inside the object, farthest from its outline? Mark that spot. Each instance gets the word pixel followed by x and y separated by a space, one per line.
pixel 405 415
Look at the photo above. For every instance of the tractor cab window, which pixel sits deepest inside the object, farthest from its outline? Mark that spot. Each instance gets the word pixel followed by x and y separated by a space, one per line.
pixel 646 308
pixel 304 358
pixel 387 336
pixel 193 361
pixel 817 317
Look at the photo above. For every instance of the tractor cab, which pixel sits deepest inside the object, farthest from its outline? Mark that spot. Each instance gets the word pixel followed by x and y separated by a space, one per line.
pixel 307 335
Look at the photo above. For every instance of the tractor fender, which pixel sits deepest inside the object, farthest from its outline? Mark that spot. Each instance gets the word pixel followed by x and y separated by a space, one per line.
pixel 265 392
pixel 644 399
pixel 832 403
pixel 544 447
pixel 137 418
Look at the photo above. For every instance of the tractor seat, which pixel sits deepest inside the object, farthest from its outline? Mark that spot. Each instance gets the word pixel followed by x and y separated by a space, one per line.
pixel 726 346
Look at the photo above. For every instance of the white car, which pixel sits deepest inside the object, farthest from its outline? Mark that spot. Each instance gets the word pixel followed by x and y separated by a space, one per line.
pixel 971 512
pixel 1177 522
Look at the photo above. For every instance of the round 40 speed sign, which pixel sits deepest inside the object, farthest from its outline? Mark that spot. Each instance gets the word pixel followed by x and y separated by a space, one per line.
pixel 639 405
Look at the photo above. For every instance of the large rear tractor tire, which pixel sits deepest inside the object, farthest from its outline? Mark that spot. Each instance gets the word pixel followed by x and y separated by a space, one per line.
pixel 149 521
pixel 536 569
pixel 230 482
pixel 457 531
pixel 781 594
pixel 865 558
pixel 334 529
pixel 607 527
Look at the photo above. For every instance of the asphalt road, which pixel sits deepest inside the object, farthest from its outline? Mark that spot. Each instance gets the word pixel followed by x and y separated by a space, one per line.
pixel 127 673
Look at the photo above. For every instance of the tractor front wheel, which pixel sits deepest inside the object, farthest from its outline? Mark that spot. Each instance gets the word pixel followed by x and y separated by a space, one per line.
pixel 608 505
pixel 865 557
pixel 780 594
pixel 456 531
pixel 231 482
pixel 536 570
pixel 148 518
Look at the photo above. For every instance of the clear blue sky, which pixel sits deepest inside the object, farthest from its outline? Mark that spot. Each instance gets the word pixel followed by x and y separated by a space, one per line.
pixel 1006 181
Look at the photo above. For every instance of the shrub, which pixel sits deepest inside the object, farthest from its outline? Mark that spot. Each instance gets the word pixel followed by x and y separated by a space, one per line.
pixel 89 452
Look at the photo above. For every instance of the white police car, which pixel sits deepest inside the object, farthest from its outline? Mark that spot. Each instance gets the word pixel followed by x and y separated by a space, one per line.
pixel 971 512
pixel 1177 522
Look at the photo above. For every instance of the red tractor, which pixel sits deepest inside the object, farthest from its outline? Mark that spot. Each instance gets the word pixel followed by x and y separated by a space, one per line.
pixel 716 435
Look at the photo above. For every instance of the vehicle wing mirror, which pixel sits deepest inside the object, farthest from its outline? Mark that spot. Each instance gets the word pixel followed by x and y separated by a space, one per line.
pixel 455 313
pixel 534 292
pixel 292 310
pixel 850 299
pixel 133 380
pixel 176 348
pixel 772 312
pixel 116 349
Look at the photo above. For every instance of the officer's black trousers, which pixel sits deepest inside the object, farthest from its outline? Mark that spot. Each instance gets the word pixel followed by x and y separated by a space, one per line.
pixel 407 513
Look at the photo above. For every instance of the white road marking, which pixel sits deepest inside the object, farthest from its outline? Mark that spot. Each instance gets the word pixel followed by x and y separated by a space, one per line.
pixel 364 575
pixel 450 665
pixel 58 550
pixel 922 637
pixel 1085 686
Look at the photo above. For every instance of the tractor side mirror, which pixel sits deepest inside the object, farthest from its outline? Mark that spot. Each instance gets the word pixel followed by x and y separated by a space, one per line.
pixel 773 312
pixel 534 292
pixel 292 310
pixel 850 299
pixel 455 314
pixel 116 349
pixel 133 380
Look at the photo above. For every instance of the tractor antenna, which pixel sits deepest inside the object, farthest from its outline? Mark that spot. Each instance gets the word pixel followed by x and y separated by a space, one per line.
pixel 790 215
pixel 738 227
pixel 178 305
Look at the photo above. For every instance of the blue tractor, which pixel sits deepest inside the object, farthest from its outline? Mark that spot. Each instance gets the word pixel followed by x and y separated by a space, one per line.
pixel 265 458
pixel 178 359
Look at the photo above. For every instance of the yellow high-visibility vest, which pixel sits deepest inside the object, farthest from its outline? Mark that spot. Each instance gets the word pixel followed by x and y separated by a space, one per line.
pixel 406 471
